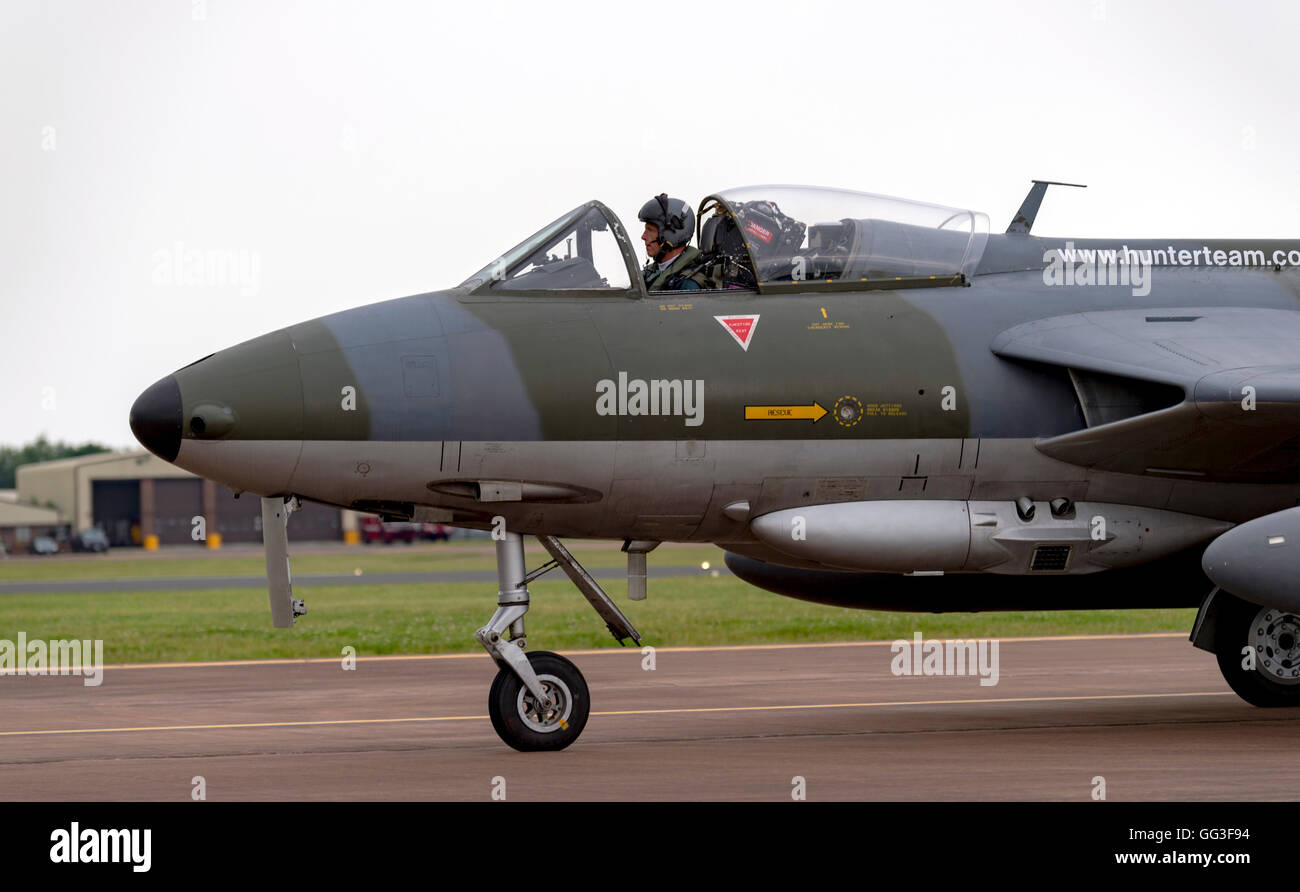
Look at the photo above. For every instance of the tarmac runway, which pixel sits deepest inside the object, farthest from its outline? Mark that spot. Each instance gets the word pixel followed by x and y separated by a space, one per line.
pixel 1148 713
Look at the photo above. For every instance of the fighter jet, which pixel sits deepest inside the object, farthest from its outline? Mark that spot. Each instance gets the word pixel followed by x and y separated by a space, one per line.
pixel 877 403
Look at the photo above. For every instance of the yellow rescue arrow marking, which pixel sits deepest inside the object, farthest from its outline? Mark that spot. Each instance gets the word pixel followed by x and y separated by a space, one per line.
pixel 765 413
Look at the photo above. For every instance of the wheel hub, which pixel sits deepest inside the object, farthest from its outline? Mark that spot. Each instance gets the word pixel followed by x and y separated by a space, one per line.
pixel 1275 638
pixel 546 717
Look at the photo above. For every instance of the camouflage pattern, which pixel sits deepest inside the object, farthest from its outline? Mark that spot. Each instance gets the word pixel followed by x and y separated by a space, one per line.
pixel 470 384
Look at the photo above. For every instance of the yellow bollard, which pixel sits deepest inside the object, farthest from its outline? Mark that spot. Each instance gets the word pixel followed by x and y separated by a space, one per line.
pixel 214 540
pixel 351 537
pixel 150 543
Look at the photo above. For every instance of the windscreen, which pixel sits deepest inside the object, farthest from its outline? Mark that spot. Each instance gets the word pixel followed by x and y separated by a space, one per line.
pixel 577 252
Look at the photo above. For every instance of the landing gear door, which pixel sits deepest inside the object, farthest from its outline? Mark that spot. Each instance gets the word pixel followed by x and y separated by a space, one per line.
pixel 285 609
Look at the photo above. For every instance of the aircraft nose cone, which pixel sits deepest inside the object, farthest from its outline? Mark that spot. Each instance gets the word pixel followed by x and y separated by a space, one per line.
pixel 156 419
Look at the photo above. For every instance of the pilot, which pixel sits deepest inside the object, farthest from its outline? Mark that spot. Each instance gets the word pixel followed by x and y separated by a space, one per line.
pixel 669 225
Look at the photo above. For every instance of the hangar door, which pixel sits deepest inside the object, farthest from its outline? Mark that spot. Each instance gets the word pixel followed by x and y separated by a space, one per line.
pixel 176 504
pixel 116 510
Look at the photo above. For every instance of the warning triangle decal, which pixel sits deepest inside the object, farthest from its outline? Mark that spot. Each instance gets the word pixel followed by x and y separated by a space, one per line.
pixel 740 327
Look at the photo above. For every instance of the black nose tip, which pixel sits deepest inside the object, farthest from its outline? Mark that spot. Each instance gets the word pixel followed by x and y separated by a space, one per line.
pixel 156 419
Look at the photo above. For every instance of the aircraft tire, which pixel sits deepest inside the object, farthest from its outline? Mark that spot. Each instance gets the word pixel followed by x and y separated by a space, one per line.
pixel 1274 636
pixel 513 710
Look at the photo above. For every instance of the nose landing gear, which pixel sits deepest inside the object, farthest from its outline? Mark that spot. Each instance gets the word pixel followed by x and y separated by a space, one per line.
pixel 539 701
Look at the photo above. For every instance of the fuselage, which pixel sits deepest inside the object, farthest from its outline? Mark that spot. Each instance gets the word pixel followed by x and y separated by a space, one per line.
pixel 647 418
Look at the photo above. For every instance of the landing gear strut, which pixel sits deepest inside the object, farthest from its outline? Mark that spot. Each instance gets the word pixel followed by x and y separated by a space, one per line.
pixel 539 701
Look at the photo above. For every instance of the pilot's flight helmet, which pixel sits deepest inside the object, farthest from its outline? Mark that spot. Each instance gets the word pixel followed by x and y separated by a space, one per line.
pixel 674 217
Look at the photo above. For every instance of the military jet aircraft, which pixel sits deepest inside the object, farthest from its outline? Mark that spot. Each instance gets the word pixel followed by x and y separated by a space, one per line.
pixel 879 404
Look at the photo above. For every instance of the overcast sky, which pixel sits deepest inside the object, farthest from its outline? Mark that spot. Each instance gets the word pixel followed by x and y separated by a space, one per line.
pixel 338 154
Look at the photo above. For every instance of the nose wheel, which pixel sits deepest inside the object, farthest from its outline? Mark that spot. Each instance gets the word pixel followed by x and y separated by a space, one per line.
pixel 530 724
pixel 539 701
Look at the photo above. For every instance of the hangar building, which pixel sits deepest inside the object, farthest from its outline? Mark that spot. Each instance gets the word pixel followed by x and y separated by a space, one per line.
pixel 134 495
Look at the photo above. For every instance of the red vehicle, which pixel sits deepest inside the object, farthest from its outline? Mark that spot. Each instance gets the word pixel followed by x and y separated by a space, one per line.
pixel 375 530
pixel 435 532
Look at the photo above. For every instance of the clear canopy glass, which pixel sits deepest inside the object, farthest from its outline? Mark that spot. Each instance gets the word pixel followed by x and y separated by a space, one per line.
pixel 577 252
pixel 776 236
pixel 805 234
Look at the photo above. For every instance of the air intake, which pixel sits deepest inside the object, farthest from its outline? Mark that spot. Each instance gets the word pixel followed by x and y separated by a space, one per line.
pixel 1050 557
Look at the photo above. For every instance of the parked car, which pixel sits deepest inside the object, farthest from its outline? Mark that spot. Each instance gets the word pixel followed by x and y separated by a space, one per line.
pixel 43 545
pixel 91 539
pixel 435 532
pixel 375 530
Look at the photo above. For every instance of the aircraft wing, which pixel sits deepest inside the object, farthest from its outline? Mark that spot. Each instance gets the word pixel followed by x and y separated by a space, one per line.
pixel 1201 393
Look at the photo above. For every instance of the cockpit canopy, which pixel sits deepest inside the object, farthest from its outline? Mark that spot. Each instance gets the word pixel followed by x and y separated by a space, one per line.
pixel 586 250
pixel 807 236
pixel 768 238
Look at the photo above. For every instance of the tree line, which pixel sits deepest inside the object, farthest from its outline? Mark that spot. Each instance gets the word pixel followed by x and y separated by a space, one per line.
pixel 40 449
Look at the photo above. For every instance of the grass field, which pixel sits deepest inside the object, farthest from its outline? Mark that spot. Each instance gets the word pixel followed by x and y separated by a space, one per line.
pixel 368 559
pixel 232 624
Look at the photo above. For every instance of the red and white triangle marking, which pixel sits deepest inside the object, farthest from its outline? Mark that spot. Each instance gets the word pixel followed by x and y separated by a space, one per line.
pixel 740 327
